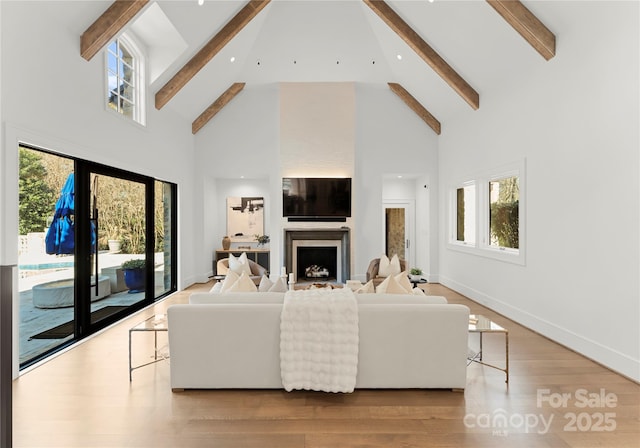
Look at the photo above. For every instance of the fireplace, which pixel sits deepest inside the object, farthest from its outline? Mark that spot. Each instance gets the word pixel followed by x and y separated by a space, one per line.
pixel 316 260
pixel 325 251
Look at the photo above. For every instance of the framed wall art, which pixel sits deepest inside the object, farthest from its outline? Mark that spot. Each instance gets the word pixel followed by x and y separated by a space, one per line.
pixel 245 218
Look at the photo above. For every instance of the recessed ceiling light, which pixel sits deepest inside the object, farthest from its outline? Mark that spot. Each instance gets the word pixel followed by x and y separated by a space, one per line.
pixel 399 176
pixel 241 177
pixel 233 59
pixel 200 2
pixel 399 56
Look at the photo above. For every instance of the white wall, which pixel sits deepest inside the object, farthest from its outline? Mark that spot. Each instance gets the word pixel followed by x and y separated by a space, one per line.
pixel 54 99
pixel 390 139
pixel 241 140
pixel 575 120
pixel 245 138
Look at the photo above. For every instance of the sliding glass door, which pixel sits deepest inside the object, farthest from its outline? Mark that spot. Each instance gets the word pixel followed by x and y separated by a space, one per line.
pixel 97 243
pixel 46 252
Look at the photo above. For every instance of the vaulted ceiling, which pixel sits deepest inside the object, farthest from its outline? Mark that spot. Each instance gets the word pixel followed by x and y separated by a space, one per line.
pixel 440 57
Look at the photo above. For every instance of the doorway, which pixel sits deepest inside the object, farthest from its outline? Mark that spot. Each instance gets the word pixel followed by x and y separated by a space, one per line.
pixel 399 229
pixel 79 222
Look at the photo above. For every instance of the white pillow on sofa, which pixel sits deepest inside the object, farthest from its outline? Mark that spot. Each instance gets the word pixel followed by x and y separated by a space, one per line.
pixel 229 280
pixel 216 288
pixel 279 286
pixel 366 288
pixel 265 284
pixel 403 280
pixel 239 264
pixel 390 286
pixel 243 284
pixel 388 267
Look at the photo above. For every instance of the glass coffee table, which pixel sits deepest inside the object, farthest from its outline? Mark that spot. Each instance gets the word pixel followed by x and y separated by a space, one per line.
pixel 481 325
pixel 155 323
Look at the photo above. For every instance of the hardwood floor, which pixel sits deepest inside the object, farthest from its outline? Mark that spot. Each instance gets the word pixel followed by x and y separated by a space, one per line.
pixel 83 398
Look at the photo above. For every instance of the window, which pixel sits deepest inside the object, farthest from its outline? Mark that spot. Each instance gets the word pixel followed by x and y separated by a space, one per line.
pixel 125 79
pixel 466 214
pixel 504 216
pixel 487 214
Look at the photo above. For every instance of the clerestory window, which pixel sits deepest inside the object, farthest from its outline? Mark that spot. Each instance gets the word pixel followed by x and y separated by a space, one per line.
pixel 125 79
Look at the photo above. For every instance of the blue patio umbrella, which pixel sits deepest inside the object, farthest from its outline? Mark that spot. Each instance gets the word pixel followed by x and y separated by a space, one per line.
pixel 60 236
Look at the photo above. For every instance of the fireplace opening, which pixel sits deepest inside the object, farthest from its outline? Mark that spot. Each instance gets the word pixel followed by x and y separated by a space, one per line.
pixel 316 263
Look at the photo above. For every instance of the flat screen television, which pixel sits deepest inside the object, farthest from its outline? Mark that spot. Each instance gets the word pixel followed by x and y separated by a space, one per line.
pixel 316 197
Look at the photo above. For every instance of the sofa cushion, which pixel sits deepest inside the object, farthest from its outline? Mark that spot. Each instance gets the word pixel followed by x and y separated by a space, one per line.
pixel 366 288
pixel 217 288
pixel 239 264
pixel 265 284
pixel 279 286
pixel 229 280
pixel 390 286
pixel 403 280
pixel 365 299
pixel 243 284
pixel 236 297
pixel 388 267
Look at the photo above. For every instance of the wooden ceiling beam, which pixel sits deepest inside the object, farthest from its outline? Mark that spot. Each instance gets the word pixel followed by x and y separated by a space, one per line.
pixel 428 54
pixel 216 106
pixel 108 25
pixel 217 43
pixel 528 25
pixel 415 106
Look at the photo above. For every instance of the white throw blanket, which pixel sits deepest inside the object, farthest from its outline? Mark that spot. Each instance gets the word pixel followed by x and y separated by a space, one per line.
pixel 319 340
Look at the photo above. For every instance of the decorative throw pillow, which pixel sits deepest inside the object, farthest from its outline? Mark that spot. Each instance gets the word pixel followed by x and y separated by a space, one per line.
pixel 239 264
pixel 243 284
pixel 265 284
pixel 418 291
pixel 366 288
pixel 391 286
pixel 279 286
pixel 216 288
pixel 403 280
pixel 388 267
pixel 229 280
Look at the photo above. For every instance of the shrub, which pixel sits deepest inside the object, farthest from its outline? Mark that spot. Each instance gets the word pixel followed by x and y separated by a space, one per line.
pixel 135 263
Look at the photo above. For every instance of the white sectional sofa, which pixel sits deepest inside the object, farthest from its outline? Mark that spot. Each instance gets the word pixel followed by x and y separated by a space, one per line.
pixel 228 341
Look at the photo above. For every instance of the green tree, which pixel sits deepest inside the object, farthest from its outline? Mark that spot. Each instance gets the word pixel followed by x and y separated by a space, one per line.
pixel 37 199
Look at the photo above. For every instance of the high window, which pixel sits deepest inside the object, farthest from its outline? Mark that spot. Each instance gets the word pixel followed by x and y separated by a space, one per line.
pixel 487 214
pixel 125 79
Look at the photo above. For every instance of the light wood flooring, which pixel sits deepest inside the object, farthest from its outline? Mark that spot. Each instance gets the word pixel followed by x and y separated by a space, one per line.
pixel 83 398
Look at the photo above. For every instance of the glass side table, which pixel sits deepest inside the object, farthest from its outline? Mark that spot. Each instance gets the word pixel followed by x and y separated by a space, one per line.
pixel 481 325
pixel 155 323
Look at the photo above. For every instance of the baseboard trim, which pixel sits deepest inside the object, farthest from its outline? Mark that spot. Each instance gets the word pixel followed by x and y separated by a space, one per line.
pixel 597 352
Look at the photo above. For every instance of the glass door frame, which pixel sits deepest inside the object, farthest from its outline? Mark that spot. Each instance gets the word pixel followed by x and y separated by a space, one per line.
pixel 84 264
pixel 82 268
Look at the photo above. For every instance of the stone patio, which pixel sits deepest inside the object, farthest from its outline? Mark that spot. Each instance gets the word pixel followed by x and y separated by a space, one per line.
pixel 34 320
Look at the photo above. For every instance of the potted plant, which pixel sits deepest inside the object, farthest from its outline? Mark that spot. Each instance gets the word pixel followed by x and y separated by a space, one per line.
pixel 415 274
pixel 134 275
pixel 262 239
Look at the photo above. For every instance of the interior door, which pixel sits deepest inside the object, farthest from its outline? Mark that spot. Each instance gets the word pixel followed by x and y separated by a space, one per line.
pixel 399 233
